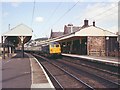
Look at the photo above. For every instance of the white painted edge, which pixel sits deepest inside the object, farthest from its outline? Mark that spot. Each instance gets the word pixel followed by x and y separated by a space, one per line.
pixel 31 67
pixel 31 70
pixel 91 58
pixel 42 85
pixel 42 70
pixel 45 74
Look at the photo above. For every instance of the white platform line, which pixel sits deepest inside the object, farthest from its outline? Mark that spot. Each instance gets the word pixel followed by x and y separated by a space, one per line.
pixel 31 67
pixel 45 74
pixel 104 60
pixel 31 70
pixel 39 85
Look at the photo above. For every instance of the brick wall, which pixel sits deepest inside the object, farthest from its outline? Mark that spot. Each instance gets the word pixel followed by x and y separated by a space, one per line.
pixel 96 45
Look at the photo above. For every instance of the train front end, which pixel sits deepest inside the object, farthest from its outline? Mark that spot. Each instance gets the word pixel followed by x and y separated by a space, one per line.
pixel 55 49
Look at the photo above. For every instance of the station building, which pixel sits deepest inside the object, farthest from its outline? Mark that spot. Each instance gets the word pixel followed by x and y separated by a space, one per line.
pixel 55 34
pixel 88 40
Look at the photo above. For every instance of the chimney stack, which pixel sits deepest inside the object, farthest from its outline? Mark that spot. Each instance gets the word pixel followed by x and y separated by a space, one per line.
pixel 93 23
pixel 85 23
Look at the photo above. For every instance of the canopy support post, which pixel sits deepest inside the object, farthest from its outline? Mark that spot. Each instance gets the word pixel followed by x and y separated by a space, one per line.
pixel 22 42
pixel 3 44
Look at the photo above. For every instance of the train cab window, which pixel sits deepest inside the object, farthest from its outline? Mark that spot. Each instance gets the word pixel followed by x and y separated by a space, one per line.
pixel 52 45
pixel 57 45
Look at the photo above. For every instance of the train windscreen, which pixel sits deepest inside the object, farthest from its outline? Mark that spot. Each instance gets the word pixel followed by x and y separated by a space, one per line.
pixel 57 45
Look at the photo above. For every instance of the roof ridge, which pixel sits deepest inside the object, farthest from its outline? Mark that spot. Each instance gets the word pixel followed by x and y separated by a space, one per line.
pixel 98 28
pixel 105 30
pixel 16 27
pixel 20 25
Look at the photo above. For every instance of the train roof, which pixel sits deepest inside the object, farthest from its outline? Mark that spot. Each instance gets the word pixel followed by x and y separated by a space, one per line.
pixel 53 43
pixel 50 43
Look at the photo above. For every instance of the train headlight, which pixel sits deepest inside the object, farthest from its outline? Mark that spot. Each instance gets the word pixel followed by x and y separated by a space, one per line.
pixel 50 50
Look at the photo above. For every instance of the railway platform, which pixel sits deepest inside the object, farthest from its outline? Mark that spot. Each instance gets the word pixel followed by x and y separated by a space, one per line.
pixel 24 73
pixel 109 60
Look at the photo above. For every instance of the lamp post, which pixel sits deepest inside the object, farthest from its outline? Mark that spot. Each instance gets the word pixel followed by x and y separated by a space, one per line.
pixel 107 39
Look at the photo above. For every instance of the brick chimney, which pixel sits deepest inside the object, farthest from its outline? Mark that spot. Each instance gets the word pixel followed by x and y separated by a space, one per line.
pixel 85 23
pixel 93 23
pixel 51 33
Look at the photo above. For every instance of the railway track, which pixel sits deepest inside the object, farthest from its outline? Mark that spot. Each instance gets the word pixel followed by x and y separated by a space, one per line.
pixel 56 83
pixel 65 74
pixel 103 72
pixel 91 81
pixel 100 65
pixel 89 73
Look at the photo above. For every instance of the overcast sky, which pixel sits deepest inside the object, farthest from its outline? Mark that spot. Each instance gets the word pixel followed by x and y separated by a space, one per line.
pixel 52 14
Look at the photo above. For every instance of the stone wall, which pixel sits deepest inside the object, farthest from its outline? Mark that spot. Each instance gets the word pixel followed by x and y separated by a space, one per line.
pixel 96 45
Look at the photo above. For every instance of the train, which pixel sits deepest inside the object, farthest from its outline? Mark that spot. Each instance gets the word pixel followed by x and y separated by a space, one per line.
pixel 51 49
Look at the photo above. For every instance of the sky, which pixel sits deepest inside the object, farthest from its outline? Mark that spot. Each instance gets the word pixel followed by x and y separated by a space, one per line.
pixel 44 15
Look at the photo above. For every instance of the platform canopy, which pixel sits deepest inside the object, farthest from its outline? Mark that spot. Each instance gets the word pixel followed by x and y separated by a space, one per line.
pixel 18 34
pixel 84 32
pixel 94 31
pixel 20 30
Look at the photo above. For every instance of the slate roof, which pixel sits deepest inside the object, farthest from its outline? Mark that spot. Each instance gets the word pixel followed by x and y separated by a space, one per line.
pixel 56 34
pixel 70 29
pixel 41 39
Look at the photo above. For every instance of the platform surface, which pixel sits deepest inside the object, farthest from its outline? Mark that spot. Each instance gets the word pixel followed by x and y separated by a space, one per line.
pixel 111 60
pixel 39 77
pixel 18 72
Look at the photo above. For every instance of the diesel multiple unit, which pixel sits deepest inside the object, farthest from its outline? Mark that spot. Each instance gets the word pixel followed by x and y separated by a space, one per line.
pixel 49 49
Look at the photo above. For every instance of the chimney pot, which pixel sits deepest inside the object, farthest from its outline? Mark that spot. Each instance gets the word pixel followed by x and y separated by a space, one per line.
pixel 93 23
